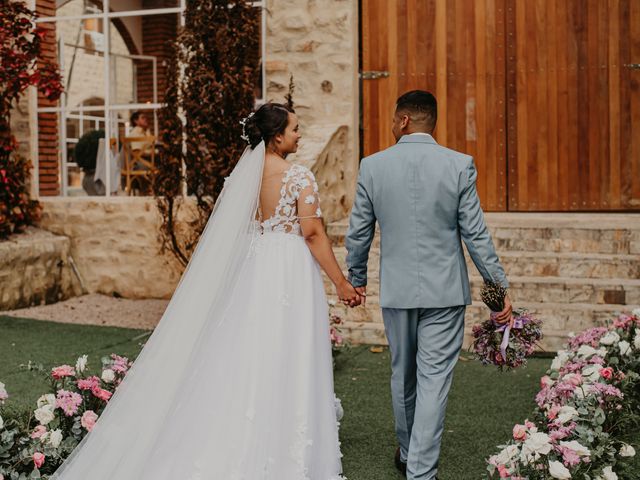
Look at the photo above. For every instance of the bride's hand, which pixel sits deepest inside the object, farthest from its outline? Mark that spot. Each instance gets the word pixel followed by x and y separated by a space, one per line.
pixel 347 294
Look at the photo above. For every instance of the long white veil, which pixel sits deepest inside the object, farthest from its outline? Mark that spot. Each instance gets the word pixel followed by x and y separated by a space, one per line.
pixel 122 440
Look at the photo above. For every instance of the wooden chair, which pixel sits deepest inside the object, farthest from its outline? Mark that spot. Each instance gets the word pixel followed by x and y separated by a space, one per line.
pixel 137 164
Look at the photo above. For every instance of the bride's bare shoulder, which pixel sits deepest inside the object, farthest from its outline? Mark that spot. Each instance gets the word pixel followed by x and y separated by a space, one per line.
pixel 274 165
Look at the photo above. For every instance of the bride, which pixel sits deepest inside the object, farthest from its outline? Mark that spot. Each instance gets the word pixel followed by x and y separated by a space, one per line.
pixel 236 381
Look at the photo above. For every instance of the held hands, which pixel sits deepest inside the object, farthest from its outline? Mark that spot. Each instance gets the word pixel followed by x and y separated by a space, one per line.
pixel 506 314
pixel 349 295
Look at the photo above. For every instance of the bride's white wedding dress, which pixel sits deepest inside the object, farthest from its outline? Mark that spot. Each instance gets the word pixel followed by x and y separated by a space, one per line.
pixel 252 397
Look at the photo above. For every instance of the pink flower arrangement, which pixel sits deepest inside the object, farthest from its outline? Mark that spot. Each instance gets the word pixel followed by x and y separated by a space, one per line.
pixel 38 459
pixel 68 402
pixel 88 383
pixel 101 393
pixel 88 420
pixel 120 364
pixel 588 393
pixel 335 335
pixel 77 399
pixel 63 371
pixel 39 431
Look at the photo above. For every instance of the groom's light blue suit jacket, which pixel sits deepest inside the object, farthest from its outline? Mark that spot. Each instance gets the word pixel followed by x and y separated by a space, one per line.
pixel 425 201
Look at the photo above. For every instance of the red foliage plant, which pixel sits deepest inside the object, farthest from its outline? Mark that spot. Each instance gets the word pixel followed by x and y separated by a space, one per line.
pixel 212 80
pixel 21 66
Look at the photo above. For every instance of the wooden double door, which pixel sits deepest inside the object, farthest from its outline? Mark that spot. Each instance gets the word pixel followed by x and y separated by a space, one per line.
pixel 545 94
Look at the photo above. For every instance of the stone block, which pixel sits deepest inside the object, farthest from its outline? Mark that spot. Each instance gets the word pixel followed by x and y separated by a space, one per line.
pixel 35 268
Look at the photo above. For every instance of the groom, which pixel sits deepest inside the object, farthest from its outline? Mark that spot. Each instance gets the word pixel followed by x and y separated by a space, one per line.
pixel 424 198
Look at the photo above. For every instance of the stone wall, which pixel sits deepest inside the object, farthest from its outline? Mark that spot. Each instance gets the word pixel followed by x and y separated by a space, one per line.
pixel 35 268
pixel 115 244
pixel 316 42
pixel 574 271
pixel 324 152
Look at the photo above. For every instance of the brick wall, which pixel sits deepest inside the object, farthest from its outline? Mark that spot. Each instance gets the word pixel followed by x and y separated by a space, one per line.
pixel 157 32
pixel 48 158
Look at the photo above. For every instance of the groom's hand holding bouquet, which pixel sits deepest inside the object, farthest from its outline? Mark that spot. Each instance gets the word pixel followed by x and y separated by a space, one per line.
pixel 508 337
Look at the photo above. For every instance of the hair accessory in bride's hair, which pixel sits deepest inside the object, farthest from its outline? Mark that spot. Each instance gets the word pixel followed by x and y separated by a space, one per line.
pixel 243 122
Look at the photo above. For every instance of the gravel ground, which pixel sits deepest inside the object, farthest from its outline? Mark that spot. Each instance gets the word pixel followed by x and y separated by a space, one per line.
pixel 98 309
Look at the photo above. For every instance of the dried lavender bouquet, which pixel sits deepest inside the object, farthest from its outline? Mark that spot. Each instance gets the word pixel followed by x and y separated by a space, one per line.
pixel 493 295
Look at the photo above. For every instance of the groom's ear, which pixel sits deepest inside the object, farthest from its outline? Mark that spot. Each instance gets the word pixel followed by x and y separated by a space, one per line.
pixel 404 120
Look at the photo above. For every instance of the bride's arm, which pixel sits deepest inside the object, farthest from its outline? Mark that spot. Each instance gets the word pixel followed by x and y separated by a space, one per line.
pixel 321 248
pixel 310 217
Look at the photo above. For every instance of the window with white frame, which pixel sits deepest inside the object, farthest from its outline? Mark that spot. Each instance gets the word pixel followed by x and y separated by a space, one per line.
pixel 112 56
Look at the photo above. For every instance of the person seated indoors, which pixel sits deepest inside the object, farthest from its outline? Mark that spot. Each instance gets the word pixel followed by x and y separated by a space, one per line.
pixel 141 149
pixel 140 124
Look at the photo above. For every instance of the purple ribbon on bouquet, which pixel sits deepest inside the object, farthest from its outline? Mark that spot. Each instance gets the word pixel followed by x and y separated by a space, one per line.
pixel 518 322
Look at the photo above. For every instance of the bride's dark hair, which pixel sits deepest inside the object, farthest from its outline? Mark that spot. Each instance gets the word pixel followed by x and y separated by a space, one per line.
pixel 267 122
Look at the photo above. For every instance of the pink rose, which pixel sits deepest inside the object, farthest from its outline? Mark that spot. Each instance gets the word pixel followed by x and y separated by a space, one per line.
pixel 62 371
pixel 39 431
pixel 101 393
pixel 606 373
pixel 574 379
pixel 38 459
pixel 546 381
pixel 519 432
pixel 504 473
pixel 553 412
pixel 88 383
pixel 529 424
pixel 88 419
pixel 68 402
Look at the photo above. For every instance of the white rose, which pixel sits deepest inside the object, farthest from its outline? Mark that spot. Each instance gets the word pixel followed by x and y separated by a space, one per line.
pixel 44 414
pixel 586 351
pixel 81 364
pixel 1 423
pixel 591 372
pixel 48 399
pixel 55 438
pixel 535 445
pixel 625 347
pixel 574 445
pixel 567 414
pixel 636 313
pixel 627 451
pixel 607 474
pixel 579 393
pixel 559 360
pixel 610 338
pixel 558 470
pixel 636 341
pixel 108 375
pixel 3 392
pixel 507 454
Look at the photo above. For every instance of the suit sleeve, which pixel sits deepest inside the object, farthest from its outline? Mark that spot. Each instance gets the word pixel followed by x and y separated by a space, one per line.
pixel 474 231
pixel 361 229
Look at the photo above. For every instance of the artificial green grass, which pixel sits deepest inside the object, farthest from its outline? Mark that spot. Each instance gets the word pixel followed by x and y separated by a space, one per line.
pixel 52 344
pixel 484 404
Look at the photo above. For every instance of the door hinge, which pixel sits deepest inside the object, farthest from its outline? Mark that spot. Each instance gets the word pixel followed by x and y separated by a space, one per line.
pixel 373 75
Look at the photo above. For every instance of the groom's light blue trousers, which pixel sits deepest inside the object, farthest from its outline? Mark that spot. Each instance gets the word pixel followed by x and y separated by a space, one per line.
pixel 425 344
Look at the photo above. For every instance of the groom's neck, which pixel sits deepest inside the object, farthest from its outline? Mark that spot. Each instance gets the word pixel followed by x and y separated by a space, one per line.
pixel 411 130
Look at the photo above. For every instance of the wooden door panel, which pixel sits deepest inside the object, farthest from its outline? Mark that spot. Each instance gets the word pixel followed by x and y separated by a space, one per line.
pixel 455 49
pixel 573 105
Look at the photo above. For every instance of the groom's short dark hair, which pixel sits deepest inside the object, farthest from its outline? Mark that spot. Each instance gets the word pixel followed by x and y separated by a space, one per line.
pixel 420 105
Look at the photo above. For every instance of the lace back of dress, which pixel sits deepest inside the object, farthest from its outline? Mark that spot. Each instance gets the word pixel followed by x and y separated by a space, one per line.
pixel 283 217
